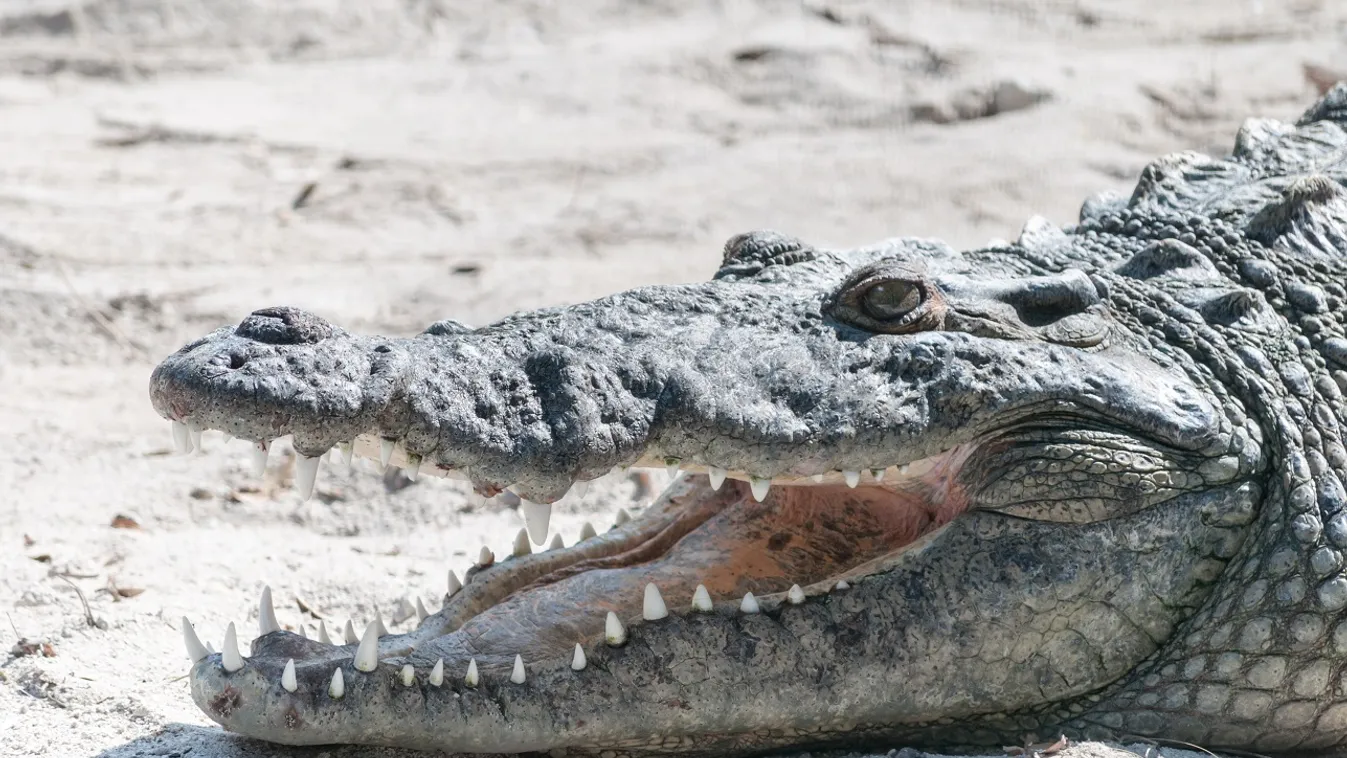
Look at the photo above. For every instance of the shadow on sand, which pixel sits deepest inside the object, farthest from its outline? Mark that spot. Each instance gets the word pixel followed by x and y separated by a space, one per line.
pixel 192 741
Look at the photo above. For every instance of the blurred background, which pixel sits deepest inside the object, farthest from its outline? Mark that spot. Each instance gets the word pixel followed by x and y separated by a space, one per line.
pixel 168 166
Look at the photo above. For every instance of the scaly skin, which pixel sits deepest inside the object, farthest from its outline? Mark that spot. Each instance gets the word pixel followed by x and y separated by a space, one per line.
pixel 1112 498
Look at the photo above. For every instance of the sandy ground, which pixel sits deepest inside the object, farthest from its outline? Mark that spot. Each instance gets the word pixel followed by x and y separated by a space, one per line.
pixel 167 166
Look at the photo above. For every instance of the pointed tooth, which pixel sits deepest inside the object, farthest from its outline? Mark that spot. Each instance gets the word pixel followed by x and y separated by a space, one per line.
pixel 701 600
pixel 226 437
pixel 229 655
pixel 716 475
pixel 586 531
pixel 454 584
pixel 195 650
pixel 759 487
pixel 485 557
pixel 903 469
pixel 303 630
pixel 579 489
pixel 557 543
pixel 408 675
pixel 385 452
pixel 437 674
pixel 521 544
pixel 266 614
pixel 613 632
pixel 878 474
pixel 852 478
pixel 654 608
pixel 288 682
pixel 194 434
pixel 749 604
pixel 413 468
pixel 182 439
pixel 843 585
pixel 471 679
pixel 622 517
pixel 518 675
pixel 578 660
pixel 673 470
pixel 306 474
pixel 795 595
pixel 332 454
pixel 367 655
pixel 337 688
pixel 322 633
pixel 349 633
pixel 347 450
pixel 379 627
pixel 421 612
pixel 260 450
pixel 536 519
pixel 817 477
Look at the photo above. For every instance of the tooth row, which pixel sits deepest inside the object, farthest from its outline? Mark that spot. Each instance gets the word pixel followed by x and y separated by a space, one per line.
pixel 366 657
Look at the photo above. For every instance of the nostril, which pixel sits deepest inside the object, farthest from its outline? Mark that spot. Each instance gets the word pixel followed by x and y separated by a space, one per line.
pixel 228 360
pixel 236 361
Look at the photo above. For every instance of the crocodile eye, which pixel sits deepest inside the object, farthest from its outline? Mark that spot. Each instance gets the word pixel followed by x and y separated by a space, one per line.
pixel 890 300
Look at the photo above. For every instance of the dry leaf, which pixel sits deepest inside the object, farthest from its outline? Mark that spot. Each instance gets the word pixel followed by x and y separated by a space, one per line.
pixel 124 522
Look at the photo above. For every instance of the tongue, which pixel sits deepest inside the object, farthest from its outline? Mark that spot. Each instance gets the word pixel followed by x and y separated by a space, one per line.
pixel 798 535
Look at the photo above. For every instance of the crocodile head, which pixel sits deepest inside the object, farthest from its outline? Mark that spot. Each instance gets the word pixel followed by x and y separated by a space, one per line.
pixel 926 495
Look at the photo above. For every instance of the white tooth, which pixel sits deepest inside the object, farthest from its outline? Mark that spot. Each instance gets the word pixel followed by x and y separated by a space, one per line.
pixel 674 470
pixel 471 679
pixel 701 599
pixel 902 469
pixel 557 543
pixel 613 632
pixel 385 452
pixel 421 611
pixel 379 627
pixel 578 660
pixel 437 674
pixel 521 544
pixel 852 478
pixel 795 595
pixel 485 558
pixel 226 437
pixel 338 686
pixel 194 433
pixel 759 487
pixel 654 608
pixel 716 475
pixel 288 682
pixel 454 584
pixel 347 452
pixel 260 450
pixel 622 517
pixel 349 633
pixel 749 604
pixel 586 531
pixel 517 676
pixel 306 474
pixel 266 614
pixel 842 585
pixel 579 489
pixel 195 650
pixel 229 656
pixel 367 655
pixel 408 675
pixel 322 633
pixel 817 477
pixel 332 455
pixel 303 630
pixel 536 518
pixel 182 439
pixel 878 474
pixel 413 469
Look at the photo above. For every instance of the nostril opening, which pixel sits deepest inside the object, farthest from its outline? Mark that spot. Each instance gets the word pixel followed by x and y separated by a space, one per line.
pixel 237 361
pixel 382 349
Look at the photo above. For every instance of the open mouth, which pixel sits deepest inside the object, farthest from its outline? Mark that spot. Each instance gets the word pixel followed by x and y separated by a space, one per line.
pixel 713 542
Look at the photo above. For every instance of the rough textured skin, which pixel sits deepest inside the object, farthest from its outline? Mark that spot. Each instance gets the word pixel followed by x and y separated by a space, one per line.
pixel 1132 427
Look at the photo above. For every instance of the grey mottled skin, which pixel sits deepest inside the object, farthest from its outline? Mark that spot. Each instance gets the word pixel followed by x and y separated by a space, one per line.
pixel 1138 420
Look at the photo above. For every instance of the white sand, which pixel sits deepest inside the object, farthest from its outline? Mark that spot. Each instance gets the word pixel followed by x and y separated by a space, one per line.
pixel 470 159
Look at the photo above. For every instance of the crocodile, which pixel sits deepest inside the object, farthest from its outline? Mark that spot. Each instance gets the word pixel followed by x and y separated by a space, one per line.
pixel 1090 482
